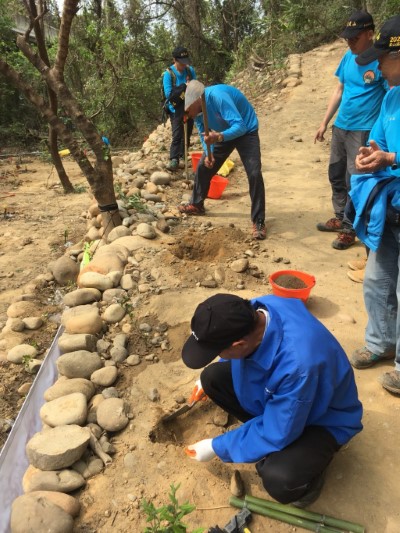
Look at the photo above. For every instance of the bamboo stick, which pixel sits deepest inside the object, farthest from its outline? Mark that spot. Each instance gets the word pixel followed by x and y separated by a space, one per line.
pixel 284 517
pixel 205 121
pixel 309 515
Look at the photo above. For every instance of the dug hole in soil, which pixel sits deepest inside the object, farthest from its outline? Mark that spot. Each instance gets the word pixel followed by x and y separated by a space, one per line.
pixel 184 265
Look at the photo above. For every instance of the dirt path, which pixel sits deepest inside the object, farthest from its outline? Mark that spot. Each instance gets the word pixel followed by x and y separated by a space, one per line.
pixel 150 454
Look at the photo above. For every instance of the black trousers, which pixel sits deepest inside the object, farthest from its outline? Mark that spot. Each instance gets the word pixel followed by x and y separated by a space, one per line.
pixel 248 147
pixel 177 149
pixel 286 475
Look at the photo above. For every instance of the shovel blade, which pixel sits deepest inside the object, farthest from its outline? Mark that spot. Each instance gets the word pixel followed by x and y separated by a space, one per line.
pixel 177 413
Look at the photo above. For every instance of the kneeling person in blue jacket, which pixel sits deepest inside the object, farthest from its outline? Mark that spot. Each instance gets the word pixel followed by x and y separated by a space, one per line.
pixel 285 376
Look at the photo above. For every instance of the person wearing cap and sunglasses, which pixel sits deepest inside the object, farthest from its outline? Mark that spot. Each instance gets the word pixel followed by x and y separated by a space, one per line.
pixel 286 378
pixel 174 81
pixel 233 124
pixel 357 98
pixel 376 197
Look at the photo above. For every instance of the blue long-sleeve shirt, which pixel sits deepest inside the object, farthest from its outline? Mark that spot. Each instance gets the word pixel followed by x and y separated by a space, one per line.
pixel 228 112
pixel 298 376
pixel 369 222
pixel 180 77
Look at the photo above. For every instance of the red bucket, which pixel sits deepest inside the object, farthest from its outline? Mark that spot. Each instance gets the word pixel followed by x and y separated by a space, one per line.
pixel 302 294
pixel 196 156
pixel 217 187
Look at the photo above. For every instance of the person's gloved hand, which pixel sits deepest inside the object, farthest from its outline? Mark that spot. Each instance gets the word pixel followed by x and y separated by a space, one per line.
pixel 197 393
pixel 201 451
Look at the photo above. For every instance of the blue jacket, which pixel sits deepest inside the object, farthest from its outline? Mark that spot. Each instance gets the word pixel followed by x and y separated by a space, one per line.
pixel 228 111
pixel 369 222
pixel 299 376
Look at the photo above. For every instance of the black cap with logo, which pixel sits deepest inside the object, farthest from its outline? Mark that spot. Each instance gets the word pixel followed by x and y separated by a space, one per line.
pixel 181 54
pixel 216 324
pixel 358 21
pixel 387 40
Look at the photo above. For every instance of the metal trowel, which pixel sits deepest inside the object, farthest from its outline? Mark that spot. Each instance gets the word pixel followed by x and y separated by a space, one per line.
pixel 197 396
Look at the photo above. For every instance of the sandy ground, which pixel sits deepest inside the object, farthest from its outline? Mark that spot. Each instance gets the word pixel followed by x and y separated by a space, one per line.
pixel 362 481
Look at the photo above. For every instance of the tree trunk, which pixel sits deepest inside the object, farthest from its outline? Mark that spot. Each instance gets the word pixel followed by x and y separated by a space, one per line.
pixel 55 156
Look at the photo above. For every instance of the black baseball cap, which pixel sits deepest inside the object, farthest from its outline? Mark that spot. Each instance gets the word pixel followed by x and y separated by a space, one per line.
pixel 181 54
pixel 358 22
pixel 387 40
pixel 217 323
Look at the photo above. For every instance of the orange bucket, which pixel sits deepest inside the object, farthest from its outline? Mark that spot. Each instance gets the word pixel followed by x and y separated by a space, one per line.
pixel 217 187
pixel 302 294
pixel 196 156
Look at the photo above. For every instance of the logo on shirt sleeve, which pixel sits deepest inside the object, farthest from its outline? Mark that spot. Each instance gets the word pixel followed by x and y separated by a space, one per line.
pixel 369 76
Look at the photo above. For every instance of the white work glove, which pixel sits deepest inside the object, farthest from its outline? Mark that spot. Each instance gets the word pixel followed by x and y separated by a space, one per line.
pixel 197 393
pixel 201 451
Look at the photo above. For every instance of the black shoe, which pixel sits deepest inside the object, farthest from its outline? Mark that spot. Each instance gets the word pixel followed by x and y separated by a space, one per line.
pixel 312 493
pixel 259 230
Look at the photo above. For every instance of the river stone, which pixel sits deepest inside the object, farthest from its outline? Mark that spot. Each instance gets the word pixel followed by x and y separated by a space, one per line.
pixel 80 341
pixel 114 313
pixel 69 409
pixel 160 178
pixel 65 270
pixel 151 197
pixel 79 364
pixel 60 481
pixel 22 309
pixel 31 514
pixel 146 231
pixel 16 354
pixel 133 359
pixel 33 365
pixel 15 324
pixel 115 276
pixel 127 282
pixel 120 340
pixel 151 188
pixel 89 322
pixel 64 387
pixel 81 297
pixel 33 322
pixel 118 354
pixel 112 295
pixel 95 280
pixel 240 265
pixel 105 376
pixel 111 414
pixel 116 233
pixel 93 406
pixel 70 504
pixel 77 311
pixel 59 447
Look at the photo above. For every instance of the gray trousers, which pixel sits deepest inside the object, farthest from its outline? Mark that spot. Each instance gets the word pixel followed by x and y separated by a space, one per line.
pixel 248 147
pixel 344 149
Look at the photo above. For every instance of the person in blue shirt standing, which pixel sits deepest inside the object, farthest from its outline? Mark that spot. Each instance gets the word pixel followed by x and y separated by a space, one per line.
pixel 285 376
pixel 375 193
pixel 174 80
pixel 358 97
pixel 233 124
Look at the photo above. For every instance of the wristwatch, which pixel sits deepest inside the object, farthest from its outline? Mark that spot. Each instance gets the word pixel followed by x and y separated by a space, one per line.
pixel 220 137
pixel 395 165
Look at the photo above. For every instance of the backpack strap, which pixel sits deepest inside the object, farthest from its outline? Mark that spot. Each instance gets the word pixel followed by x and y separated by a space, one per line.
pixel 172 74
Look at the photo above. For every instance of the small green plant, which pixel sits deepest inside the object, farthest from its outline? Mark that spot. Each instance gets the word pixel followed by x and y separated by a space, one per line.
pixel 26 359
pixel 168 518
pixel 79 188
pixel 126 303
pixel 131 202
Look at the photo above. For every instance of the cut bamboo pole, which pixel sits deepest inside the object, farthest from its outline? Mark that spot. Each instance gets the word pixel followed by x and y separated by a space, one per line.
pixel 351 527
pixel 284 517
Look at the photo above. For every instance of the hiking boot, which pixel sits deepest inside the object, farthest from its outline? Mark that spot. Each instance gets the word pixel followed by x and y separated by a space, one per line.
pixel 312 494
pixel 259 230
pixel 333 224
pixel 364 358
pixel 356 275
pixel 173 165
pixel 357 264
pixel 344 240
pixel 192 209
pixel 391 381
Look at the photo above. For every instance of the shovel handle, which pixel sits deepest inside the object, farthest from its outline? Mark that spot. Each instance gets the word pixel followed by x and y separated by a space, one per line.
pixel 205 120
